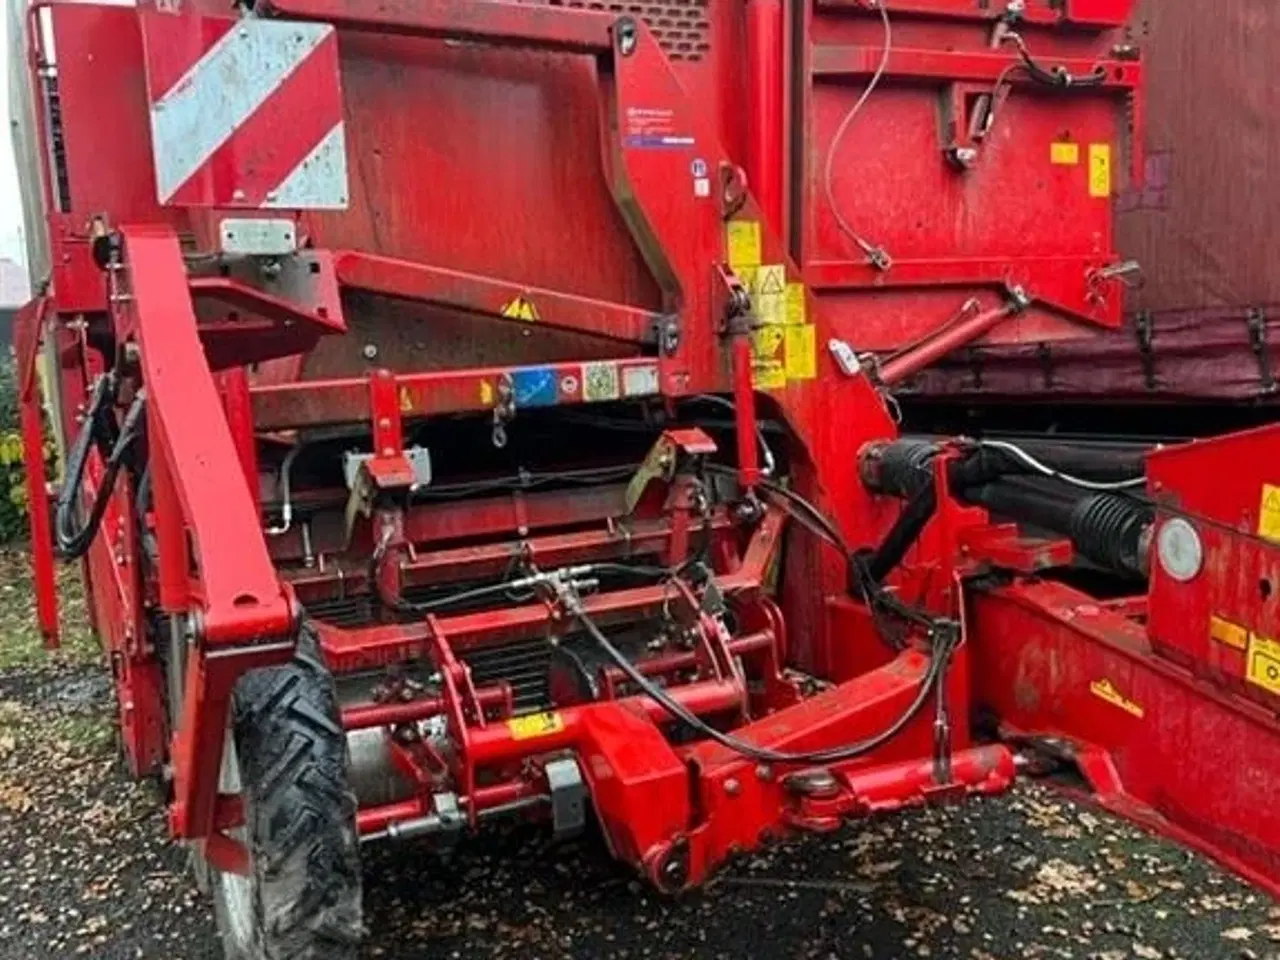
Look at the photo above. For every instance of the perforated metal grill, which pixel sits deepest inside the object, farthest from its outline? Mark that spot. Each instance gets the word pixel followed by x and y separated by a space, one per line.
pixel 681 27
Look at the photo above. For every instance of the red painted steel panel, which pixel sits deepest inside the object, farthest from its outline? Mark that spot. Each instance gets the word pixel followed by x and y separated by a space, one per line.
pixel 1201 222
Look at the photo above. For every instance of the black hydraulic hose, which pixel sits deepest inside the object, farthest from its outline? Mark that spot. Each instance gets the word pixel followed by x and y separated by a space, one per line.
pixel 79 456
pixel 933 676
pixel 73 542
pixel 1091 461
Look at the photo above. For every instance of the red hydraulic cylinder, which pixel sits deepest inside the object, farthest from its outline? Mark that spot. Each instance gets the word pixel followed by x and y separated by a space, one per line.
pixel 934 348
pixel 744 404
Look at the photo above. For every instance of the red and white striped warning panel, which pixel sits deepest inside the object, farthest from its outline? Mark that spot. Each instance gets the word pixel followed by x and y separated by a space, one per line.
pixel 245 113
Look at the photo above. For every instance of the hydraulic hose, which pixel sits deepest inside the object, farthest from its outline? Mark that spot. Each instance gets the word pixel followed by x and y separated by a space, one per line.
pixel 934 675
pixel 74 541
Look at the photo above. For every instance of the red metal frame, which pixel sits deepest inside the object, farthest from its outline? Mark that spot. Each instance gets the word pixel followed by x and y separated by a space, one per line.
pixel 664 277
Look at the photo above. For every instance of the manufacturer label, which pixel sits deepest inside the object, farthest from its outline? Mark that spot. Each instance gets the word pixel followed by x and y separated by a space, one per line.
pixel 521 308
pixel 1269 513
pixel 600 382
pixel 1262 663
pixel 1228 633
pixel 1104 689
pixel 535 725
pixel 1100 170
pixel 1064 154
pixel 742 242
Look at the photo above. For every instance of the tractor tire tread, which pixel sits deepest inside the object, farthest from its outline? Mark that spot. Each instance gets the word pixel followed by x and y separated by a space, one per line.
pixel 300 811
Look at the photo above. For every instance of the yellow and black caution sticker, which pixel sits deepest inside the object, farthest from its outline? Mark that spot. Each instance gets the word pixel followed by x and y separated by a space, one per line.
pixel 1227 632
pixel 1104 689
pixel 1262 663
pixel 535 725
pixel 521 308
pixel 1269 513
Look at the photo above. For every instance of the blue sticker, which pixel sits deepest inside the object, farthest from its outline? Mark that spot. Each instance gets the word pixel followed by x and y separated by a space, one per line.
pixel 534 387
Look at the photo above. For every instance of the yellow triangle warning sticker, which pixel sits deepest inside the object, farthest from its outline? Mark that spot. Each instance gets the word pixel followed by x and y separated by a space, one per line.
pixel 773 279
pixel 521 308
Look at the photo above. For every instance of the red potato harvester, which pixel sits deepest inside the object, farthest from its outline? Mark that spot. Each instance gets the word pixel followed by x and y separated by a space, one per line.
pixel 478 410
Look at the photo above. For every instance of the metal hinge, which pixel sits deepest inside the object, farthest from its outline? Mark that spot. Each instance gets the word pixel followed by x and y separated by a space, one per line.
pixel 1256 320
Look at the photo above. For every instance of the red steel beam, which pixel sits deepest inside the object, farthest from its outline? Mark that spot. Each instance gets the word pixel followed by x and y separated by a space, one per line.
pixel 505 24
pixel 473 292
pixel 499 743
pixel 284 406
pixel 243 599
pixel 1102 13
pixel 831 61
pixel 27 334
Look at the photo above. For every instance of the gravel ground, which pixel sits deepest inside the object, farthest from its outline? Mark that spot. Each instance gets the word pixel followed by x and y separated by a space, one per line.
pixel 85 870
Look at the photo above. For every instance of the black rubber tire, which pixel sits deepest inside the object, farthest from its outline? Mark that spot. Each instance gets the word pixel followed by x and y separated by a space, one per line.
pixel 302 900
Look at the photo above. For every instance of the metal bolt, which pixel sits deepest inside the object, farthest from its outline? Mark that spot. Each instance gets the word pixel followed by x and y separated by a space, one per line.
pixel 764 772
pixel 370 351
pixel 732 787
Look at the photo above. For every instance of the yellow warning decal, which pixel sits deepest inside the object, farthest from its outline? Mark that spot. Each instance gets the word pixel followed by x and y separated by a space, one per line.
pixel 742 239
pixel 1064 154
pixel 769 374
pixel 406 400
pixel 486 393
pixel 767 368
pixel 1226 632
pixel 1099 169
pixel 1104 689
pixel 796 306
pixel 769 293
pixel 535 725
pixel 521 308
pixel 1269 513
pixel 1262 667
pixel 802 352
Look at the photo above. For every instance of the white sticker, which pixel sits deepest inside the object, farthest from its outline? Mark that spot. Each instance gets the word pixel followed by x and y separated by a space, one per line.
pixel 702 187
pixel 600 381
pixel 640 381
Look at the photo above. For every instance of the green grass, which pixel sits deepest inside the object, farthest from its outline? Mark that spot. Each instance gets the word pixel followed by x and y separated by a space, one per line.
pixel 21 645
